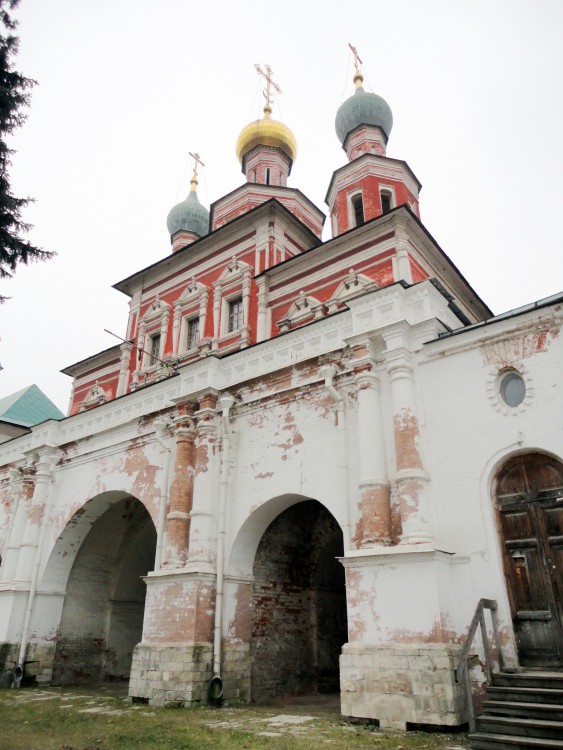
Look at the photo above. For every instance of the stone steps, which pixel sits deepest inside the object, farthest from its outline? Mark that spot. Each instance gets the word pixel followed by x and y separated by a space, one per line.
pixel 523 710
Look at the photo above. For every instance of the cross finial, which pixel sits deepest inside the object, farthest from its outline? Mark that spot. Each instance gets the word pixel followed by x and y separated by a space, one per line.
pixel 358 77
pixel 269 84
pixel 197 161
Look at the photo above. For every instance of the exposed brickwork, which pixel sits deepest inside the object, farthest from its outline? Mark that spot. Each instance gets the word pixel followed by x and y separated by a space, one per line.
pixel 374 524
pixel 295 645
pixel 510 351
pixel 181 494
pixel 179 611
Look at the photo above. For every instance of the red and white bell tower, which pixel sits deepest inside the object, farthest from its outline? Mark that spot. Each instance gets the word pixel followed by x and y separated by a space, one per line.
pixel 371 183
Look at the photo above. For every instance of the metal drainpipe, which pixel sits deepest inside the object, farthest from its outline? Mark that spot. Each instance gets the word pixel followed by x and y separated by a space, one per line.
pixel 161 426
pixel 225 404
pixel 17 674
pixel 328 372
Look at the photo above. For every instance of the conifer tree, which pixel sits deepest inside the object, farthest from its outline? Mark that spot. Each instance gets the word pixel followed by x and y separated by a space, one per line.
pixel 14 97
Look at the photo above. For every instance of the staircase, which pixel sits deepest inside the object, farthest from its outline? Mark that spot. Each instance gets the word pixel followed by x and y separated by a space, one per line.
pixel 522 711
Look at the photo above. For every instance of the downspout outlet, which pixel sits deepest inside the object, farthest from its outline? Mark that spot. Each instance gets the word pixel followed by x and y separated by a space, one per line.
pixel 328 372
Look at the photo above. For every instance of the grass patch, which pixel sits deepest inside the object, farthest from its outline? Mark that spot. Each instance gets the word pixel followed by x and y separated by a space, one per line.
pixel 103 719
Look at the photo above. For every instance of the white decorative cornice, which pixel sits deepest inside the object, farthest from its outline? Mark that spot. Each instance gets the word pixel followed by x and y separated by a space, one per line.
pixel 368 316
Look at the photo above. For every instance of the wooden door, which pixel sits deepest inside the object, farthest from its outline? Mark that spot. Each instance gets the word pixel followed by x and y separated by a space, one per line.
pixel 529 500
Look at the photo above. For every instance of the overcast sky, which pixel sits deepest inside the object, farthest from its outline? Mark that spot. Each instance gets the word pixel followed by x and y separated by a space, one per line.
pixel 126 88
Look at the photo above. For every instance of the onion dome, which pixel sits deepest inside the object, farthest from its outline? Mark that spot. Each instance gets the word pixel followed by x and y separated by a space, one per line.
pixel 266 132
pixel 189 215
pixel 362 108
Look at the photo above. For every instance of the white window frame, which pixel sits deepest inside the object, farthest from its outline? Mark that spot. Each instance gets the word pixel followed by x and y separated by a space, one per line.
pixel 387 189
pixel 154 322
pixel 233 283
pixel 235 318
pixel 351 209
pixel 187 325
pixel 191 304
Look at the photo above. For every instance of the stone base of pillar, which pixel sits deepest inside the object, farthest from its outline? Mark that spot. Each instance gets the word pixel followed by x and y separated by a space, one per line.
pixel 179 674
pixel 8 660
pixel 236 673
pixel 402 684
pixel 171 674
pixel 38 663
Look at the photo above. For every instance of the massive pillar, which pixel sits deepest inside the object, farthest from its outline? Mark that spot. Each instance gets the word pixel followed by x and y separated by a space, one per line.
pixel 172 664
pixel 36 513
pixel 181 492
pixel 374 526
pixel 396 668
pixel 410 477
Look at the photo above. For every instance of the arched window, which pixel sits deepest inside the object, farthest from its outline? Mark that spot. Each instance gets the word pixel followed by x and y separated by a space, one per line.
pixel 386 201
pixel 358 209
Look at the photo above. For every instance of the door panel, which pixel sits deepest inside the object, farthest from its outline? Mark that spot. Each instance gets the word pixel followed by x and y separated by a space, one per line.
pixel 529 500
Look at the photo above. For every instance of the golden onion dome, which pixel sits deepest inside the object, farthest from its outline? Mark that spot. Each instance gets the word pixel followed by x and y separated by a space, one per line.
pixel 266 132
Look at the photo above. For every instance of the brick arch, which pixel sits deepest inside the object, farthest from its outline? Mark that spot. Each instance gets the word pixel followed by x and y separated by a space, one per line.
pixel 249 536
pixel 72 535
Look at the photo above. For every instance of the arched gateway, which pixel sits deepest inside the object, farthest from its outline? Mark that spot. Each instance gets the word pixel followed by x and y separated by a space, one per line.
pixel 298 603
pixel 100 558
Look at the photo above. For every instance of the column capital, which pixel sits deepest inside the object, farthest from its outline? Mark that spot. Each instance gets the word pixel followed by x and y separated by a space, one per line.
pixel 47 457
pixel 396 335
pixel 126 346
pixel 366 377
pixel 399 362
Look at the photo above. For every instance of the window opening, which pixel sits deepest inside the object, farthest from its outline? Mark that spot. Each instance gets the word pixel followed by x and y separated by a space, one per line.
pixel 358 206
pixel 235 314
pixel 386 204
pixel 267 175
pixel 155 349
pixel 193 333
pixel 512 388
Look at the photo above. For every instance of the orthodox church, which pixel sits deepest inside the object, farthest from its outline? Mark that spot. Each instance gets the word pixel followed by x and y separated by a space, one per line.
pixel 304 465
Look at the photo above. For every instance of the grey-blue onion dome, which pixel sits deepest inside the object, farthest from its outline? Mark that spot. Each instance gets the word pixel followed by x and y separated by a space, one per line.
pixel 189 216
pixel 363 108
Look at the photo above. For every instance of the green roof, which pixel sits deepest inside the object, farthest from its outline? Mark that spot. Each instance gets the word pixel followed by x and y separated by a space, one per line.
pixel 190 216
pixel 28 407
pixel 363 108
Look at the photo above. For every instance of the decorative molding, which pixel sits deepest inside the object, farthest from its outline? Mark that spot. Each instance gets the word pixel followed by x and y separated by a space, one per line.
pixel 352 285
pixel 191 303
pixel 302 310
pixel 493 388
pixel 95 396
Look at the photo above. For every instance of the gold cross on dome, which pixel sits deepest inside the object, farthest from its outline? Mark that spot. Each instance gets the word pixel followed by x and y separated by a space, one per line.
pixel 357 58
pixel 269 83
pixel 197 161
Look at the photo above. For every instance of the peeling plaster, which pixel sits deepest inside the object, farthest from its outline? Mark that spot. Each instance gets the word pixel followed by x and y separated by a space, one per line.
pixel 509 352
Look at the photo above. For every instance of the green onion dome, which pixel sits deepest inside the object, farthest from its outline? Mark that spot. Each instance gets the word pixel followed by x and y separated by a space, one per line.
pixel 189 216
pixel 363 108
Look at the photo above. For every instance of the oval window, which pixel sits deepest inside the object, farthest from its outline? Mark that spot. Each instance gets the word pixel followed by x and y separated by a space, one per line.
pixel 512 388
